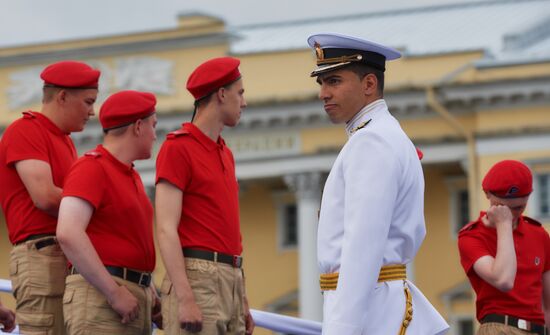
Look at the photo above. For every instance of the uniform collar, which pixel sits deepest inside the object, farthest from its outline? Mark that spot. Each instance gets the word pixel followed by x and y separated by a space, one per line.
pixel 201 137
pixel 118 164
pixel 49 124
pixel 364 116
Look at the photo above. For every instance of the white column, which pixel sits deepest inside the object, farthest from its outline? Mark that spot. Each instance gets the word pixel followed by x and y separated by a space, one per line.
pixel 308 199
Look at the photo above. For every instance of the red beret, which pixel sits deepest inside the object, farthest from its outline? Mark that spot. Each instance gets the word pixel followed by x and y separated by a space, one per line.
pixel 213 74
pixel 508 179
pixel 70 74
pixel 126 107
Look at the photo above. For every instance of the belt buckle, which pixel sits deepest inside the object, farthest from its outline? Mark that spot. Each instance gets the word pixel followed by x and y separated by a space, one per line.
pixel 143 277
pixel 237 261
pixel 522 324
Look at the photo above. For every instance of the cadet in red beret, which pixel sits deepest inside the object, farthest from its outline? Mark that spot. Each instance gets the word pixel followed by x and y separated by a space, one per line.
pixel 36 153
pixel 506 256
pixel 105 226
pixel 197 211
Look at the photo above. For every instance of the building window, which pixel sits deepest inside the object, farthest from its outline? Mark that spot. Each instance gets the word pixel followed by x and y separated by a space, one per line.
pixel 463 212
pixel 539 201
pixel 289 229
pixel 287 220
pixel 459 206
pixel 465 327
pixel 543 195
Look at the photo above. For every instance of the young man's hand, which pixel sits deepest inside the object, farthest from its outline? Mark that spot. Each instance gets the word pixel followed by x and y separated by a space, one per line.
pixel 156 311
pixel 190 315
pixel 7 319
pixel 249 321
pixel 125 304
pixel 499 215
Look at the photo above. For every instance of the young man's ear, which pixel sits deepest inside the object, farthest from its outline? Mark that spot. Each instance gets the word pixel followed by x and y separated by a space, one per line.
pixel 221 93
pixel 370 84
pixel 61 96
pixel 137 126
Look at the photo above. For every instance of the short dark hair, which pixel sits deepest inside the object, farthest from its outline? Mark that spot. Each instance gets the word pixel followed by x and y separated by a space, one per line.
pixel 206 99
pixel 119 130
pixel 49 92
pixel 116 131
pixel 361 70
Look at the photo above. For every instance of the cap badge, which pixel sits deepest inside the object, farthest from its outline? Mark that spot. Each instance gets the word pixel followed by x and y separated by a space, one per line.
pixel 512 190
pixel 319 52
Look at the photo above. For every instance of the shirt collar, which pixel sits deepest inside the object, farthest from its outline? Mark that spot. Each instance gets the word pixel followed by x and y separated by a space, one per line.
pixel 366 114
pixel 520 229
pixel 118 164
pixel 201 137
pixel 49 124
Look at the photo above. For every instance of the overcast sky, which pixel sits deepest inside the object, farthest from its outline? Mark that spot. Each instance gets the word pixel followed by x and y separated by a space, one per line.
pixel 31 21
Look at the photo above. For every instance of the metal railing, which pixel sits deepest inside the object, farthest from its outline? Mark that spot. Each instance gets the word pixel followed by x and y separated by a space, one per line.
pixel 275 322
pixel 285 324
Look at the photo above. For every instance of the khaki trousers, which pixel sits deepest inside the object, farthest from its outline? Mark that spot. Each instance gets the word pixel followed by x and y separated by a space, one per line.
pixel 87 311
pixel 218 290
pixel 38 282
pixel 493 328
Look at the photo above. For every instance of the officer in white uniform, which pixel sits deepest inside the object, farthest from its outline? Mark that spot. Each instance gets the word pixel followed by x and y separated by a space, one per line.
pixel 372 212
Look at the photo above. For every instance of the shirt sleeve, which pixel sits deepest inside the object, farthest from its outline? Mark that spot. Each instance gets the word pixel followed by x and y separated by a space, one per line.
pixel 173 164
pixel 371 172
pixel 471 247
pixel 86 180
pixel 25 141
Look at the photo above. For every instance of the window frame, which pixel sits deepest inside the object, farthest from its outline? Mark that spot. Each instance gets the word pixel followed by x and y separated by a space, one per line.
pixel 534 205
pixel 456 319
pixel 456 185
pixel 282 200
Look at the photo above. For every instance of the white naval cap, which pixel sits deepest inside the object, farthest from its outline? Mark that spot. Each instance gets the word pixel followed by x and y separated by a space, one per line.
pixel 334 51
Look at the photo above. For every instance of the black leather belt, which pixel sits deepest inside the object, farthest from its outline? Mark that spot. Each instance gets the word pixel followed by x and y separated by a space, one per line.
pixel 40 244
pixel 233 260
pixel 140 278
pixel 522 324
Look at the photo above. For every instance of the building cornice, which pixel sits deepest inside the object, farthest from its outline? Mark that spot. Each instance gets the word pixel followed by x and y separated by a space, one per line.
pixel 497 94
pixel 116 49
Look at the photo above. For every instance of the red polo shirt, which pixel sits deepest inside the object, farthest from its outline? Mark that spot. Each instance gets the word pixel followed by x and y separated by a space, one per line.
pixel 532 245
pixel 121 227
pixel 33 136
pixel 204 171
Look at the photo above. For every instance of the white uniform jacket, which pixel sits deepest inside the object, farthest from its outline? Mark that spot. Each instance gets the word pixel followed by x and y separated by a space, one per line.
pixel 372 214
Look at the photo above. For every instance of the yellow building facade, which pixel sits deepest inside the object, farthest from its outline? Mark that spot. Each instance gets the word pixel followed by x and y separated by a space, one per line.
pixel 466 101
